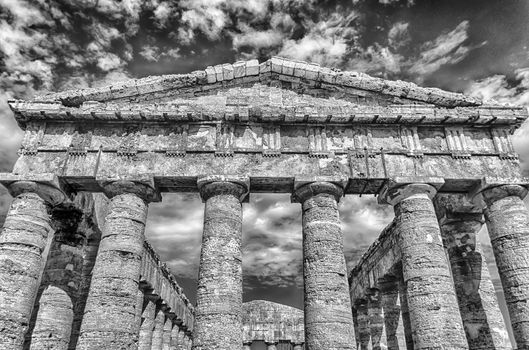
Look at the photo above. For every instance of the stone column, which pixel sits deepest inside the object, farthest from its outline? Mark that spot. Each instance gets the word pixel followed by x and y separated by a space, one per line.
pixel 432 303
pixel 181 343
pixel 110 314
pixel 328 315
pixel 22 243
pixel 157 333
pixel 218 314
pixel 167 330
pixel 147 325
pixel 507 220
pixel 362 324
pixel 376 320
pixel 460 222
pixel 405 313
pixel 389 295
pixel 53 313
pixel 174 337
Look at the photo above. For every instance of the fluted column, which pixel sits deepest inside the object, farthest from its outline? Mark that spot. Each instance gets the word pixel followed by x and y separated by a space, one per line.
pixel 157 333
pixel 181 342
pixel 432 303
pixel 389 295
pixel 460 222
pixel 174 337
pixel 110 317
pixel 218 314
pixel 376 319
pixel 22 243
pixel 167 329
pixel 362 324
pixel 147 325
pixel 405 313
pixel 328 316
pixel 507 221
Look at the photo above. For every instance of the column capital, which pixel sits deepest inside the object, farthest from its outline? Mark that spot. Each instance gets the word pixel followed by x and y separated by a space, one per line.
pixel 47 186
pixel 212 185
pixel 307 188
pixel 400 188
pixel 144 188
pixel 456 207
pixel 495 193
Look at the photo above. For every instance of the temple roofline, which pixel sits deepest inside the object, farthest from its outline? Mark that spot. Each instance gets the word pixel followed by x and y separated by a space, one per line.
pixel 308 72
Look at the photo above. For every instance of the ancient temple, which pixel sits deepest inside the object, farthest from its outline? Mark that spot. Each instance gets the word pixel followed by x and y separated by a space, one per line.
pixel 77 273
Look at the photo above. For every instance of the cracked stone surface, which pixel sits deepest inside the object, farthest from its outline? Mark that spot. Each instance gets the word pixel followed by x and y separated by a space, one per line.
pixel 218 313
pixel 110 313
pixel 432 303
pixel 328 316
pixel 22 243
pixel 507 220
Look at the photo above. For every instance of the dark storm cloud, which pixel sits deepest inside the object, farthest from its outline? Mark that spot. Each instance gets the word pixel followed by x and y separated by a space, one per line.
pixel 479 47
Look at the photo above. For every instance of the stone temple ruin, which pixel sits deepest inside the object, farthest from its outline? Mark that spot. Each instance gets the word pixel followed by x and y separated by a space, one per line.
pixel 76 272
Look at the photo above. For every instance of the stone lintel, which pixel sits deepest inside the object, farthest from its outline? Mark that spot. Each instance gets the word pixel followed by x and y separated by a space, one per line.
pixel 305 187
pixel 398 188
pixel 142 186
pixel 48 186
pixel 243 193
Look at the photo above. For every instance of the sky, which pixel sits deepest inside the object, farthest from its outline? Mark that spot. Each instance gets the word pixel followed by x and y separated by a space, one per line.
pixel 478 47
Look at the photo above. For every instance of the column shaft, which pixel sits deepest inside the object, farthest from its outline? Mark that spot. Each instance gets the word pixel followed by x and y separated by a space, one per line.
pixel 22 242
pixel 167 330
pixel 432 303
pixel 147 326
pixel 110 314
pixel 174 337
pixel 376 319
pixel 508 223
pixel 328 315
pixel 405 314
pixel 218 314
pixel 362 320
pixel 478 305
pixel 157 333
pixel 389 295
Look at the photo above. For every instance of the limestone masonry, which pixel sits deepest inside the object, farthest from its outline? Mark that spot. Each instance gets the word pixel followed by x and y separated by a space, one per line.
pixel 77 273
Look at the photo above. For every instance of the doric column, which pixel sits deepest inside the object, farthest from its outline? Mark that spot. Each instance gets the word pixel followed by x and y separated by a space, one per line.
pixel 167 329
pixel 405 313
pixel 157 333
pixel 53 313
pixel 389 295
pixel 376 319
pixel 218 314
pixel 181 343
pixel 271 346
pixel 363 335
pixel 460 222
pixel 328 315
pixel 22 243
pixel 110 314
pixel 174 337
pixel 507 220
pixel 147 325
pixel 432 303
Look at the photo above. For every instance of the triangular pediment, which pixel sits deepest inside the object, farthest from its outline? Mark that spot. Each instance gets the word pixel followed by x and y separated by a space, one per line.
pixel 267 78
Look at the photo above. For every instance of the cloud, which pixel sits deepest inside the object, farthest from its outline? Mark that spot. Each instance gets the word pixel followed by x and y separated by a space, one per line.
pixel 447 48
